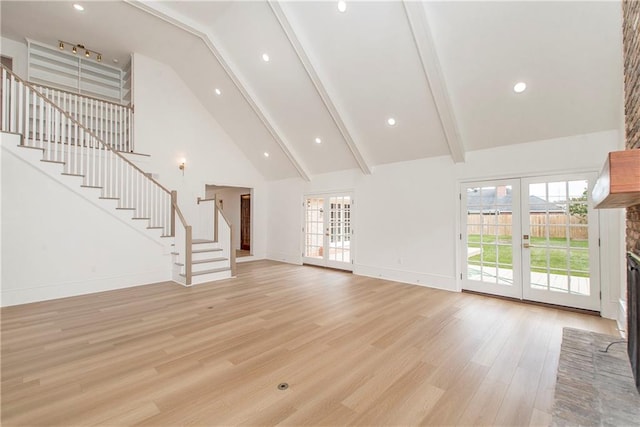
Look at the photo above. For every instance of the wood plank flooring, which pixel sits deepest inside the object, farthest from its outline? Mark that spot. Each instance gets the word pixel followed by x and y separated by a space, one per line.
pixel 354 350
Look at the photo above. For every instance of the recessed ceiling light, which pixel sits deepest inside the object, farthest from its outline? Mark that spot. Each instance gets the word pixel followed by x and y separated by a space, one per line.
pixel 115 60
pixel 265 57
pixel 318 141
pixel 391 121
pixel 78 7
pixel 519 87
pixel 218 91
pixel 342 6
pixel 266 154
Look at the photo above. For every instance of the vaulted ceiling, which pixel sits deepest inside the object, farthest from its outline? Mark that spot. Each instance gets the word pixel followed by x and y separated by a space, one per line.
pixel 444 71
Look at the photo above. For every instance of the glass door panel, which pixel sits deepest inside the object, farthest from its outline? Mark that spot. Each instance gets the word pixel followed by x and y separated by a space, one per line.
pixel 327 231
pixel 314 228
pixel 487 216
pixel 534 239
pixel 557 257
pixel 340 229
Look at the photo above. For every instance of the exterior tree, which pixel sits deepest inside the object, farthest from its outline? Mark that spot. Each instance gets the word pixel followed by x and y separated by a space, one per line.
pixel 578 206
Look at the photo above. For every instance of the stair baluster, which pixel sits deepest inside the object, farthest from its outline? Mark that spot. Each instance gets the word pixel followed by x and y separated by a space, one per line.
pixel 73 131
pixel 33 113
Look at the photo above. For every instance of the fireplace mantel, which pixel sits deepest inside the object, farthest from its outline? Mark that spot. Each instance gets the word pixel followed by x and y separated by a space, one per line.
pixel 618 185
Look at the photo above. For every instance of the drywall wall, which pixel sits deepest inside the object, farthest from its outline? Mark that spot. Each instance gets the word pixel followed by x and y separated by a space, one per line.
pixel 406 215
pixel 230 198
pixel 171 124
pixel 17 50
pixel 57 243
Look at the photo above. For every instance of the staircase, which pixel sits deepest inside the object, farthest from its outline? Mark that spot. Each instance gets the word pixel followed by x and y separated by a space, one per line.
pixel 73 151
pixel 208 263
pixel 210 256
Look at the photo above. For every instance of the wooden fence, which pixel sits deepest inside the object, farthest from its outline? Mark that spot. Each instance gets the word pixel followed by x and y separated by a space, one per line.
pixel 556 223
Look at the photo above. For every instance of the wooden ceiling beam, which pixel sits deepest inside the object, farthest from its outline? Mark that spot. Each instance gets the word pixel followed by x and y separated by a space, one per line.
pixel 319 85
pixel 425 45
pixel 186 24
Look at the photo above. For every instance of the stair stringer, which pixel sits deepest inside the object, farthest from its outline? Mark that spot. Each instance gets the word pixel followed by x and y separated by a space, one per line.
pixel 33 158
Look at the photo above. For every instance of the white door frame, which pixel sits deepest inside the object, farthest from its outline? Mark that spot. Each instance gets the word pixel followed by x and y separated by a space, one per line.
pixel 594 235
pixel 515 289
pixel 325 261
pixel 591 302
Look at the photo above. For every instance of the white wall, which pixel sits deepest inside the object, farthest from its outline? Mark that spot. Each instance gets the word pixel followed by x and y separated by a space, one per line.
pixel 170 124
pixel 406 215
pixel 18 51
pixel 55 243
pixel 231 207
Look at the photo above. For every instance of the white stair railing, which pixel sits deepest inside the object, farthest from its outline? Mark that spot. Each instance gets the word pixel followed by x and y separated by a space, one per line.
pixel 63 139
pixel 110 122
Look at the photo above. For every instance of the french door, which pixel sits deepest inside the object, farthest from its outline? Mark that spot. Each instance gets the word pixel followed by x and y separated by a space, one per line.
pixel 534 239
pixel 327 230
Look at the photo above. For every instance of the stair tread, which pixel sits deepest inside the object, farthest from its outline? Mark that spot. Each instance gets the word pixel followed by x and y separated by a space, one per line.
pixel 141 218
pixel 200 251
pixel 90 186
pixel 52 161
pixel 31 147
pixel 72 174
pixel 199 241
pixel 109 198
pixel 202 261
pixel 213 270
pixel 126 209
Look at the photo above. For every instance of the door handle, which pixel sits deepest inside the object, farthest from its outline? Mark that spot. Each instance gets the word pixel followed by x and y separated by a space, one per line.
pixel 525 245
pixel 326 234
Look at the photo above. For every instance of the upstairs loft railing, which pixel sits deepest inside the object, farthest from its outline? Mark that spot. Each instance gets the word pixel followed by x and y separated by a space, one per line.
pixel 109 121
pixel 63 139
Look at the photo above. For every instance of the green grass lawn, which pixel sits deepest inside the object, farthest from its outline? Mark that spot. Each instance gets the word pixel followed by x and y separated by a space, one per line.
pixel 501 255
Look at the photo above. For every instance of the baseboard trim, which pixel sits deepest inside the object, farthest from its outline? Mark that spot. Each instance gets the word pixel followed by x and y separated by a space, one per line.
pixel 536 303
pixel 31 294
pixel 621 320
pixel 445 283
pixel 286 258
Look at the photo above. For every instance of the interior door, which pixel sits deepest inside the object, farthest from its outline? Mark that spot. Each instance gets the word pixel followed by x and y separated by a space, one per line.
pixel 534 239
pixel 491 249
pixel 245 222
pixel 328 230
pixel 560 255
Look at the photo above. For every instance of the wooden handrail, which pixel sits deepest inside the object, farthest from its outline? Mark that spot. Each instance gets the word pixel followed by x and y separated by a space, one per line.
pixel 77 123
pixel 188 243
pixel 10 80
pixel 222 213
pixel 179 212
pixel 215 216
pixel 232 251
pixel 205 200
pixel 85 96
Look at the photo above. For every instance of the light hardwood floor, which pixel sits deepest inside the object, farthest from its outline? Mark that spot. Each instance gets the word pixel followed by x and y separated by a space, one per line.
pixel 354 350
